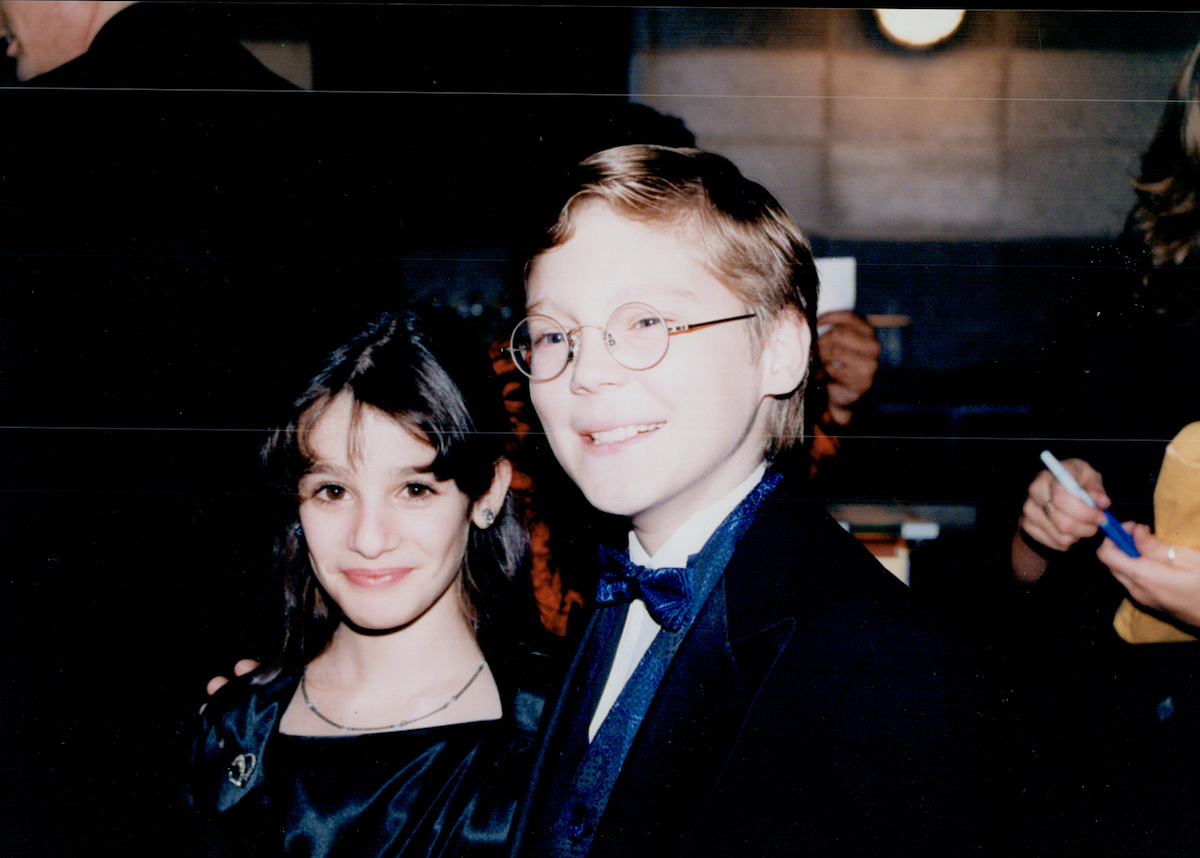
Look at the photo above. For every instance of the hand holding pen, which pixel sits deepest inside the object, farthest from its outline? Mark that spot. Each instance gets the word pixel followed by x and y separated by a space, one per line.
pixel 1055 518
pixel 1111 527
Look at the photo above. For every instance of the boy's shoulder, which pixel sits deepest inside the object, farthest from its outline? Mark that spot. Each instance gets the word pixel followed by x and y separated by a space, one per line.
pixel 797 562
pixel 794 541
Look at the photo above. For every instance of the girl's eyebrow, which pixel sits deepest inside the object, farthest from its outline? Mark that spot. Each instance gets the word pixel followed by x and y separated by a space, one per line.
pixel 410 471
pixel 323 469
pixel 328 469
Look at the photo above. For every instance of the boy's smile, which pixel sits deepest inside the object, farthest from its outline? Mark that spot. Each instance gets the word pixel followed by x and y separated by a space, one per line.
pixel 658 444
pixel 622 433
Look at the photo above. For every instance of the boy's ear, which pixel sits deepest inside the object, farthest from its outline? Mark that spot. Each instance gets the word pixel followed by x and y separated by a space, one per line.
pixel 786 352
pixel 487 508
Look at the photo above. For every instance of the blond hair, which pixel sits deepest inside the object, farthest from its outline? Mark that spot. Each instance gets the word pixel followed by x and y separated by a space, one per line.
pixel 1166 215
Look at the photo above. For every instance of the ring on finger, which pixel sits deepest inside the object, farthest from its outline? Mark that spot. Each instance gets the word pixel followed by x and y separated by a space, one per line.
pixel 1048 507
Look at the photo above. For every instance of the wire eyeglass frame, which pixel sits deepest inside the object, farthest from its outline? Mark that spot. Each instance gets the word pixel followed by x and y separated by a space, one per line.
pixel 652 351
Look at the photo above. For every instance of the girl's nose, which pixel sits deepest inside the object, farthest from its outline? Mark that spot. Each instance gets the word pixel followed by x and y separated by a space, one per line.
pixel 373 533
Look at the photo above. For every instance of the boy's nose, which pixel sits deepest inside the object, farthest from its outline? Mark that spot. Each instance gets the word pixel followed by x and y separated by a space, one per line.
pixel 592 364
pixel 373 533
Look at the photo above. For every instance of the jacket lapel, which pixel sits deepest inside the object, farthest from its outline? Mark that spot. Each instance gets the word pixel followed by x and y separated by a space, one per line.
pixel 564 728
pixel 689 730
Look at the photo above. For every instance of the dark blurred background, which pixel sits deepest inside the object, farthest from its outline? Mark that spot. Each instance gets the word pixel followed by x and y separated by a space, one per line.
pixel 174 264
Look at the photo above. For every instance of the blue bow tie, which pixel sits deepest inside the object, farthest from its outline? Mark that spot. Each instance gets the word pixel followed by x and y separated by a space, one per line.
pixel 667 592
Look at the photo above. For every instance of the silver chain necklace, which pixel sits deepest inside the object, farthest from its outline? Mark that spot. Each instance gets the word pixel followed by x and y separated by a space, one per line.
pixel 398 724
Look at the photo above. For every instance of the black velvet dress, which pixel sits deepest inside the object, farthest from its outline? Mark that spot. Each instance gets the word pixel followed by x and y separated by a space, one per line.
pixel 439 791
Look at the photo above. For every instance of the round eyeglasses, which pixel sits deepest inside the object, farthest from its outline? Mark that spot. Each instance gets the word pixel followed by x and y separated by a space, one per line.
pixel 636 335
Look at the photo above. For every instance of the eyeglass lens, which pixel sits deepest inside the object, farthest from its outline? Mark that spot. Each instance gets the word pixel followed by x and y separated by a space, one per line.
pixel 636 336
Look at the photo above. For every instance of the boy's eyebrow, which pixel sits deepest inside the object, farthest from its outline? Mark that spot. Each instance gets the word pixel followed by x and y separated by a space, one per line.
pixel 675 291
pixel 544 305
pixel 633 293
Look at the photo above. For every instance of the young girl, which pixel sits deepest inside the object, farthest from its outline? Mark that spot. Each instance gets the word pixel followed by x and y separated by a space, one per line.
pixel 385 725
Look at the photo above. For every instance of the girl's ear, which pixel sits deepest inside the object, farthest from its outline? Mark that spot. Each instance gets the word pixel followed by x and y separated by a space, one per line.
pixel 487 508
pixel 786 353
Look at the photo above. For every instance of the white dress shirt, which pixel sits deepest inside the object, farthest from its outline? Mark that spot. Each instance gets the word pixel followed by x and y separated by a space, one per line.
pixel 640 629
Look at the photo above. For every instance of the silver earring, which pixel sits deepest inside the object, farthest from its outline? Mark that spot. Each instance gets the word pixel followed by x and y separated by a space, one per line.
pixel 488 517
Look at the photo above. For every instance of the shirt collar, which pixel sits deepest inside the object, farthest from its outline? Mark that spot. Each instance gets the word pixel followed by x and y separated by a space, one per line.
pixel 694 532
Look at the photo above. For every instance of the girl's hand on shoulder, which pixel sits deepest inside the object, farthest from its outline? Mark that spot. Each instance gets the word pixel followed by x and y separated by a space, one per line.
pixel 241 668
pixel 1165 578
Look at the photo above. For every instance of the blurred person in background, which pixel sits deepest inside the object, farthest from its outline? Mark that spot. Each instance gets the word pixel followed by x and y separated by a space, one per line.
pixel 1114 715
pixel 120 43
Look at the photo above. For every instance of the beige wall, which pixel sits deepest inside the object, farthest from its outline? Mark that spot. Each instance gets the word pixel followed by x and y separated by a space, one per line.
pixel 986 139
pixel 291 60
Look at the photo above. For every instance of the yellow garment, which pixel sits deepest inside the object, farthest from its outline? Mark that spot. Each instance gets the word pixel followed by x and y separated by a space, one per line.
pixel 1176 521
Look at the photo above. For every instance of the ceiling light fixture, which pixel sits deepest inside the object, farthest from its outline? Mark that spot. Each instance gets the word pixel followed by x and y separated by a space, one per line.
pixel 919 28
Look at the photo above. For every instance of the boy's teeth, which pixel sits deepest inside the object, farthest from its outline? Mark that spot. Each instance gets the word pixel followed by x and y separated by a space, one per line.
pixel 612 436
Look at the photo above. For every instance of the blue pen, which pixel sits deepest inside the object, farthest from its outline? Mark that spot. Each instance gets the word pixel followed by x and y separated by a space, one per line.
pixel 1111 526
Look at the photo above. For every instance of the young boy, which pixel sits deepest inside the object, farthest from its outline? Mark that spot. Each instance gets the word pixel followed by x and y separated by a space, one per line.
pixel 761 685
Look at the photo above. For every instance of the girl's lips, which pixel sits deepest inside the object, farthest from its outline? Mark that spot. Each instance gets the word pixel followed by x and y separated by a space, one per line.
pixel 376 577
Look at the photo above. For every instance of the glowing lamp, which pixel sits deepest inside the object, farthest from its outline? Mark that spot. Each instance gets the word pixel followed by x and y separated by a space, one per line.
pixel 919 28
